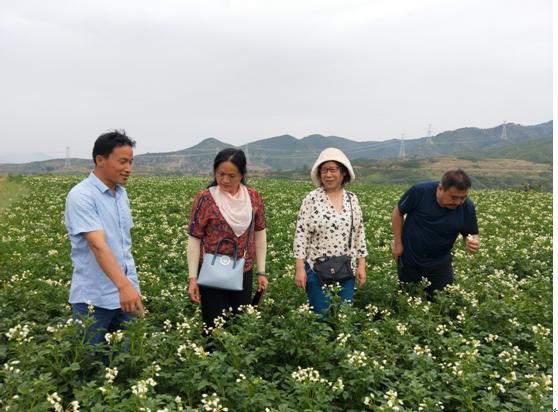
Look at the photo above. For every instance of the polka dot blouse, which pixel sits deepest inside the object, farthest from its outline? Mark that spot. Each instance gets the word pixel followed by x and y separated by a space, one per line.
pixel 322 231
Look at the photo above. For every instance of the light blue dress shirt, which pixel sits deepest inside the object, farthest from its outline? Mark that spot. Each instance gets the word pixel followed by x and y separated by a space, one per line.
pixel 91 206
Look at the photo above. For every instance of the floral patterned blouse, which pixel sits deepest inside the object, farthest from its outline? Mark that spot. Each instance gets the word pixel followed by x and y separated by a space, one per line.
pixel 322 231
pixel 208 224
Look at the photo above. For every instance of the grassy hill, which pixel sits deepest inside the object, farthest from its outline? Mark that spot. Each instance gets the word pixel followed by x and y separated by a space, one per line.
pixel 489 156
pixel 533 150
pixel 485 173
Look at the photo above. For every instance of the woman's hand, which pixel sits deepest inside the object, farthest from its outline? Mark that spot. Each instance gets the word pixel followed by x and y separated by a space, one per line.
pixel 194 290
pixel 262 283
pixel 360 277
pixel 361 272
pixel 300 278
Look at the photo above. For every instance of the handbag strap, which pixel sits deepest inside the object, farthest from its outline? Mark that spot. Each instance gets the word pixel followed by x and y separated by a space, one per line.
pixel 227 239
pixel 351 230
pixel 249 236
pixel 235 249
pixel 195 218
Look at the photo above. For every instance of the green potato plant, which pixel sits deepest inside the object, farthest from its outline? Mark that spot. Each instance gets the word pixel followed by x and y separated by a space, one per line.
pixel 484 344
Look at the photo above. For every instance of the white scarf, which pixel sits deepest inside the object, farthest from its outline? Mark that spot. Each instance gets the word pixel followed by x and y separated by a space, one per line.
pixel 236 209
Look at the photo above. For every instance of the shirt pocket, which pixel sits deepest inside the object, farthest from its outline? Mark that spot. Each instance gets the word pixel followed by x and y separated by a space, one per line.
pixel 125 216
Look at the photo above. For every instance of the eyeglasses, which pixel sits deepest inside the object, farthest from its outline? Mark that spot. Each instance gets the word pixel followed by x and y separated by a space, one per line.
pixel 326 170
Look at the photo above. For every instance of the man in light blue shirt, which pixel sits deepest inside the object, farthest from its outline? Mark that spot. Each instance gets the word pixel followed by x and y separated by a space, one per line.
pixel 104 283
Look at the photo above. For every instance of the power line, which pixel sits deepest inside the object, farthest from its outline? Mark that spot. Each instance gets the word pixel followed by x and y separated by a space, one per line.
pixel 304 155
pixel 256 152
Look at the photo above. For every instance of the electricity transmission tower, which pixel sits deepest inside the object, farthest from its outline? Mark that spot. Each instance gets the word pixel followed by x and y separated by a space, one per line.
pixel 504 135
pixel 402 147
pixel 429 134
pixel 67 159
pixel 247 154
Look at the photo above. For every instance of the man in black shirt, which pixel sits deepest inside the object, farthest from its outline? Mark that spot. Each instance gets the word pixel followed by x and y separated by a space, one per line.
pixel 425 223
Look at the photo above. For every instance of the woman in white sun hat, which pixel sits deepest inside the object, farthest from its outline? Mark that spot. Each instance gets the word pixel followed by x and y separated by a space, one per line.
pixel 329 244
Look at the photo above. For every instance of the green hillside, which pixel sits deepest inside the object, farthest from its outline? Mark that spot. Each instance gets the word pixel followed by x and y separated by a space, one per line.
pixel 485 173
pixel 533 150
pixel 484 151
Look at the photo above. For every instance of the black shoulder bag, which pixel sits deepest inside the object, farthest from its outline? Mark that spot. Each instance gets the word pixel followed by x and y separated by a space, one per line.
pixel 336 269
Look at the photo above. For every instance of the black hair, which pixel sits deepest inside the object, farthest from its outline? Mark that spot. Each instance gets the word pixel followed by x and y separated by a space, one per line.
pixel 105 143
pixel 236 157
pixel 342 168
pixel 455 178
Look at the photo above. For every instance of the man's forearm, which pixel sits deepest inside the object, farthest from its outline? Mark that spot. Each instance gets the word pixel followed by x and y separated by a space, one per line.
pixel 108 263
pixel 106 260
pixel 130 300
pixel 396 224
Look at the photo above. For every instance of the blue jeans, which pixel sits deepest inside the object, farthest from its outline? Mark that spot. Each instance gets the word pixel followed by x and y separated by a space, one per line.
pixel 316 296
pixel 106 321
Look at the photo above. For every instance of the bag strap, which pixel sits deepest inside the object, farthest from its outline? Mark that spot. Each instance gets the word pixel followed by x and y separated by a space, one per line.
pixel 247 247
pixel 226 239
pixel 195 218
pixel 235 250
pixel 350 195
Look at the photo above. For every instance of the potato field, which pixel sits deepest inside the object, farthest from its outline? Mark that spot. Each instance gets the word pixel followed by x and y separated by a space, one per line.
pixel 485 344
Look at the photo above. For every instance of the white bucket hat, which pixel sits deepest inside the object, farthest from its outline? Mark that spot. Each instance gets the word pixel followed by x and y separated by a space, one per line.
pixel 327 155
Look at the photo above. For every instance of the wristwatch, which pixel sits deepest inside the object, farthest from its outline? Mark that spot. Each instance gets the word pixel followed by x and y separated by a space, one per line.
pixel 261 274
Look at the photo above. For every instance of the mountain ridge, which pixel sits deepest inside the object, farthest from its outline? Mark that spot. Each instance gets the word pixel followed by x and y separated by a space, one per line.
pixel 286 152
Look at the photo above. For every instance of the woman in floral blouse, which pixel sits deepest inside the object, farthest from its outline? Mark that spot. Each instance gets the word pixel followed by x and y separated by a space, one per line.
pixel 225 210
pixel 324 225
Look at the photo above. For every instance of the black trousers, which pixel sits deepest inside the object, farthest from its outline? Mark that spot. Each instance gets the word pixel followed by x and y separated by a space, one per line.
pixel 439 276
pixel 214 301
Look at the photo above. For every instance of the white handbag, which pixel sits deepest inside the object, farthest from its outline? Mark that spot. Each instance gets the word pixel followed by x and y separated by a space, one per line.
pixel 225 272
pixel 221 271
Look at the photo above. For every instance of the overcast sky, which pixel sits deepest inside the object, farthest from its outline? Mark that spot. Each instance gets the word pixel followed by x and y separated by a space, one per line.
pixel 173 72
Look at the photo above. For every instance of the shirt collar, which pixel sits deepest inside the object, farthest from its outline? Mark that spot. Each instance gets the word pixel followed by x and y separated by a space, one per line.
pixel 324 193
pixel 98 183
